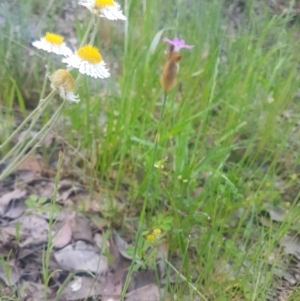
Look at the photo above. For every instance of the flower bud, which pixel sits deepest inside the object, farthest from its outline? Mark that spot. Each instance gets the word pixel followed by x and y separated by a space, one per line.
pixel 168 79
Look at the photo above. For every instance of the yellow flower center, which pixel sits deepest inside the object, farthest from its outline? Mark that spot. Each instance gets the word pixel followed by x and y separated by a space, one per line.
pixel 90 54
pixel 54 38
pixel 103 3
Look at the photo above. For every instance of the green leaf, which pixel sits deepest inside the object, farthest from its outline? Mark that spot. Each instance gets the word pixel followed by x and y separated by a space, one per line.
pixel 155 42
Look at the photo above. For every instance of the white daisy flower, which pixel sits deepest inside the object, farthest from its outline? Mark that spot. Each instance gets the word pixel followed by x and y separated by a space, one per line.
pixel 52 42
pixel 104 8
pixel 62 81
pixel 89 61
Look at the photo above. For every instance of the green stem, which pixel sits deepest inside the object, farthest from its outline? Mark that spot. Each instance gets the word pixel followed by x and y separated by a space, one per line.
pixel 91 42
pixel 94 33
pixel 42 133
pixel 153 158
pixel 143 213
pixel 87 31
pixel 45 81
pixel 47 252
pixel 38 109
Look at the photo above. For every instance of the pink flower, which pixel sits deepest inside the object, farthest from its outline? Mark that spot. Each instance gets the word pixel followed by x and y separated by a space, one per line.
pixel 177 44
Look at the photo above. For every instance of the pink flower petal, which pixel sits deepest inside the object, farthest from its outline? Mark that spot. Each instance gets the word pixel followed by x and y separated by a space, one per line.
pixel 178 43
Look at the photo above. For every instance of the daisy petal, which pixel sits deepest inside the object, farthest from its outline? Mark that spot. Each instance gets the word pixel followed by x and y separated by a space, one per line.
pixel 60 49
pixel 70 96
pixel 107 9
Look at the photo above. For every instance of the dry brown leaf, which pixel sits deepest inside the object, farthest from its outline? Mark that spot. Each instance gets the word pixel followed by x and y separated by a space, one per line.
pixel 15 209
pixel 6 198
pixel 32 162
pixel 81 256
pixel 276 214
pixel 7 234
pixel 33 291
pixel 148 292
pixel 9 273
pixel 121 245
pixel 291 245
pixel 63 236
pixel 114 286
pixel 81 229
pixel 34 230
pixel 82 288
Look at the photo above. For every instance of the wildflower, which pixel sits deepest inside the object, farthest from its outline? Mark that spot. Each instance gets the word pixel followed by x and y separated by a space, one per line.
pixel 89 61
pixel 177 44
pixel 294 177
pixel 156 232
pixel 63 83
pixel 168 78
pixel 52 42
pixel 104 8
pixel 150 238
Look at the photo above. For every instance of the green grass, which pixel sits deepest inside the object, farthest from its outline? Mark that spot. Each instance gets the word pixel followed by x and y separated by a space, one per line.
pixel 223 132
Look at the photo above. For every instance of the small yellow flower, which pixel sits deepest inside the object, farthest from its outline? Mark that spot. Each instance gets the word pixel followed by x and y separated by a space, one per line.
pixel 150 238
pixel 62 81
pixel 294 177
pixel 54 43
pixel 89 61
pixel 156 232
pixel 267 184
pixel 109 9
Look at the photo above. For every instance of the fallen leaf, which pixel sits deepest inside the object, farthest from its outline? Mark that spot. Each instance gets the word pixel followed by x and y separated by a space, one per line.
pixel 81 256
pixel 291 245
pixel 82 287
pixel 29 290
pixel 15 209
pixel 121 244
pixel 276 214
pixel 63 236
pixel 6 198
pixel 161 256
pixel 148 292
pixel 33 163
pixel 114 286
pixel 34 230
pixel 141 278
pixel 81 229
pixel 9 273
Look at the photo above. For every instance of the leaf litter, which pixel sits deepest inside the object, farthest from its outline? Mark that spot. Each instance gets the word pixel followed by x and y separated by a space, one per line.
pixel 86 261
pixel 87 257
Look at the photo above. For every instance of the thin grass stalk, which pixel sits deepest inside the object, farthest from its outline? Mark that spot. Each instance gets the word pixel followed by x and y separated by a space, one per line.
pixel 39 108
pixel 87 31
pixel 43 132
pixel 47 253
pixel 17 148
pixel 143 212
